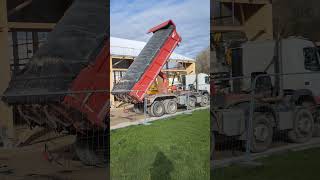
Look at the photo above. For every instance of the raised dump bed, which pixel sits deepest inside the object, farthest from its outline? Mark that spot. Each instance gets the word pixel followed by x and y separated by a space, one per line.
pixel 75 41
pixel 147 66
pixel 74 58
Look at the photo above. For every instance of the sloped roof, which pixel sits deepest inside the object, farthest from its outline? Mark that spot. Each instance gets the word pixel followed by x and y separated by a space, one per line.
pixel 126 47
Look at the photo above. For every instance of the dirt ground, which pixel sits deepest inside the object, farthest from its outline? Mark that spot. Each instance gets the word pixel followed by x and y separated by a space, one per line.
pixel 47 159
pixel 127 115
pixel 123 115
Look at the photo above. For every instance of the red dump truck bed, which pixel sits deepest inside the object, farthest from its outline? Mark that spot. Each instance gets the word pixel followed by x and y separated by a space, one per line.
pixel 75 58
pixel 147 66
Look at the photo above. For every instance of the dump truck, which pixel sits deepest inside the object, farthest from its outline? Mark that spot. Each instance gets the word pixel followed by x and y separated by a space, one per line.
pixel 145 71
pixel 286 95
pixel 64 85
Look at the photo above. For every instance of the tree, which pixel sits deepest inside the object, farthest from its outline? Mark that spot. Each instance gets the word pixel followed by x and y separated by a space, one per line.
pixel 203 61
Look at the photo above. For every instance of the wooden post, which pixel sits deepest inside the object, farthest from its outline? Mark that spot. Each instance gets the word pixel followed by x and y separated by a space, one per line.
pixel 111 82
pixel 6 115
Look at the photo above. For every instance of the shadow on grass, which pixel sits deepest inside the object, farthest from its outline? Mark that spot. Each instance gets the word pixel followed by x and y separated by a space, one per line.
pixel 161 168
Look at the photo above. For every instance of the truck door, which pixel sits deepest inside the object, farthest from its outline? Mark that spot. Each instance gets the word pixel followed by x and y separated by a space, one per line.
pixel 311 64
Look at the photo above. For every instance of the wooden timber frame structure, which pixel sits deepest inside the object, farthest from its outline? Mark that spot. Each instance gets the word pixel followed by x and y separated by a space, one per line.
pixel 21 16
pixel 253 17
pixel 188 67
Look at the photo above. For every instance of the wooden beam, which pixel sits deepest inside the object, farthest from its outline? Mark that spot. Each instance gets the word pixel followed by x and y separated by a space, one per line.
pixel 246 1
pixel 6 123
pixel 19 7
pixel 27 25
pixel 174 70
pixel 111 82
pixel 226 28
pixel 119 69
pixel 243 19
pixel 164 70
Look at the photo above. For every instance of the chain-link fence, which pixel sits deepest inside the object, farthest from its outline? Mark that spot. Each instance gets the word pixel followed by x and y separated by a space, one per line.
pixel 58 131
pixel 263 114
pixel 70 129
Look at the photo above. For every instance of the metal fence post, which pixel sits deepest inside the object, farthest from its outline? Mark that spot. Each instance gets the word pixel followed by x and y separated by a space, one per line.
pixel 248 157
pixel 188 99
pixel 145 108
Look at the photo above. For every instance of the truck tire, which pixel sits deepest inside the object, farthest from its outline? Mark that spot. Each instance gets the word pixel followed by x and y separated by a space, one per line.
pixel 303 125
pixel 170 106
pixel 92 148
pixel 157 109
pixel 205 100
pixel 262 133
pixel 315 114
pixel 192 102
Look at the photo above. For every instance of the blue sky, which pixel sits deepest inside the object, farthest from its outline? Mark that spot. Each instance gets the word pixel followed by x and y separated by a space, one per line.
pixel 131 19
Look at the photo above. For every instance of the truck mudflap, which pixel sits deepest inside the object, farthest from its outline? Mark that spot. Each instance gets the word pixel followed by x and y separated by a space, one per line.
pixel 75 58
pixel 147 66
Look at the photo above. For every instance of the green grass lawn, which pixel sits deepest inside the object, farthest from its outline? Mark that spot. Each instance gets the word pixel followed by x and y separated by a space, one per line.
pixel 303 165
pixel 173 149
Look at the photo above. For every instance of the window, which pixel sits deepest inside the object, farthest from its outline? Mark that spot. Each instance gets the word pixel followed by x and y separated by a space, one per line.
pixel 207 80
pixel 311 59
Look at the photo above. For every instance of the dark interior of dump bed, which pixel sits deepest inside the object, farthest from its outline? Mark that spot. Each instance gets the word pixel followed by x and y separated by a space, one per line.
pixel 75 41
pixel 142 62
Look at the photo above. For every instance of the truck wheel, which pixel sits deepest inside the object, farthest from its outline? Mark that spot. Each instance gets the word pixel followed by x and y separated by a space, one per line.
pixel 170 106
pixel 92 148
pixel 303 125
pixel 315 114
pixel 204 100
pixel 138 108
pixel 262 133
pixel 157 109
pixel 192 102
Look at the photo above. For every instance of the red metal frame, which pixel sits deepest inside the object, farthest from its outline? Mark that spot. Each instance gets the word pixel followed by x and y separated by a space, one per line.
pixel 162 25
pixel 94 77
pixel 141 87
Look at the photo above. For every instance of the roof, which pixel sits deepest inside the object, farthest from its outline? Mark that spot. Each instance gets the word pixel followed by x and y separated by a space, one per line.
pixel 126 47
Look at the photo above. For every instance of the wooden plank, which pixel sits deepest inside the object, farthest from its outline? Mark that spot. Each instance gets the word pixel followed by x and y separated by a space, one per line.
pixel 226 28
pixel 19 7
pixel 174 70
pixel 243 19
pixel 27 25
pixel 119 69
pixel 246 1
pixel 6 114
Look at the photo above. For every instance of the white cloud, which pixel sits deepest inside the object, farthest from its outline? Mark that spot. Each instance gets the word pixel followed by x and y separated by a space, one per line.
pixel 131 19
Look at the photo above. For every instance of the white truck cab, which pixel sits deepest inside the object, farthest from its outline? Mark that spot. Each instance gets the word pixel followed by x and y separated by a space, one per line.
pixel 199 81
pixel 298 55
